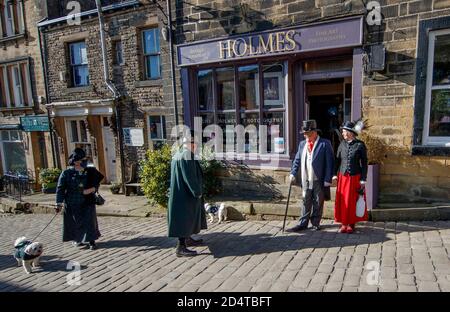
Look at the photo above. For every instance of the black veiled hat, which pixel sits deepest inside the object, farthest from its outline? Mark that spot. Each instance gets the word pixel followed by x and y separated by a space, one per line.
pixel 77 154
pixel 349 126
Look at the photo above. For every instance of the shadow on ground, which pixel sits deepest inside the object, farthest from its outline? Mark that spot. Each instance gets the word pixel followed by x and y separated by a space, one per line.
pixel 226 244
pixel 48 263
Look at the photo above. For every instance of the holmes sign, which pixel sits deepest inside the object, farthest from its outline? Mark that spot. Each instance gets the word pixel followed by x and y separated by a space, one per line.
pixel 330 35
pixel 258 45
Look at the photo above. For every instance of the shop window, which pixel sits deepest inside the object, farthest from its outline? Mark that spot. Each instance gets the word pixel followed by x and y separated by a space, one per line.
pixel 437 110
pixel 217 105
pixel 205 90
pixel 225 88
pixel 151 52
pixel 431 136
pixel 248 87
pixel 15 85
pixel 273 80
pixel 12 152
pixel 79 64
pixel 157 130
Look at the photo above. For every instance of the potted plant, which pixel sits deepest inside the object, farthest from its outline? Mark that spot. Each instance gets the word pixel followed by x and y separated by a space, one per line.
pixel 376 150
pixel 115 188
pixel 48 178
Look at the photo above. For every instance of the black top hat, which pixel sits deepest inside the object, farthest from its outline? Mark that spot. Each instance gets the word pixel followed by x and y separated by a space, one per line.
pixel 309 125
pixel 77 154
pixel 349 126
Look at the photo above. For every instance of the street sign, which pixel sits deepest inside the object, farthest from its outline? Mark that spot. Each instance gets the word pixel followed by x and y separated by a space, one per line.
pixel 35 123
pixel 133 136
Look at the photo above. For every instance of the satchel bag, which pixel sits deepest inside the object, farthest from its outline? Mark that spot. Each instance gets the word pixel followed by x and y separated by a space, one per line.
pixel 99 200
pixel 360 206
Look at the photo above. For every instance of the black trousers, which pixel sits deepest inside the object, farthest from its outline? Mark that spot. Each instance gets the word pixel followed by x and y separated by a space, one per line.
pixel 312 206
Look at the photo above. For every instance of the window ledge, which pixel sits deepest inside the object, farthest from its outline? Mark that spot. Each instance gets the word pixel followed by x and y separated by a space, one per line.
pixel 430 150
pixel 80 89
pixel 148 83
pixel 15 109
pixel 11 38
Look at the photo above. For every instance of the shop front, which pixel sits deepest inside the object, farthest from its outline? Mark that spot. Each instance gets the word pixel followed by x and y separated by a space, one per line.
pixel 276 79
pixel 87 125
pixel 22 150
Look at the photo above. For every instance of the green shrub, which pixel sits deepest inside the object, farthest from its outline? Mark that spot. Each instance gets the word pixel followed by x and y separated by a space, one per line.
pixel 210 167
pixel 155 174
pixel 49 176
pixel 115 187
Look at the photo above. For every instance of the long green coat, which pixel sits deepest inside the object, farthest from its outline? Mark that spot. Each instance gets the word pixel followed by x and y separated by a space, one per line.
pixel 186 215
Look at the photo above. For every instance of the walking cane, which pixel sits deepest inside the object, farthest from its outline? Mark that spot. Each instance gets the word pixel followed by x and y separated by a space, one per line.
pixel 287 205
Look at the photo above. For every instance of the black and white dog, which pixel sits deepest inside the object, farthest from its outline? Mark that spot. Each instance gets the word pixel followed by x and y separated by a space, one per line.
pixel 27 253
pixel 216 210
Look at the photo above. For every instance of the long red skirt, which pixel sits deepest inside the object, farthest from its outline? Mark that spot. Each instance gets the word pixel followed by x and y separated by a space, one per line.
pixel 346 198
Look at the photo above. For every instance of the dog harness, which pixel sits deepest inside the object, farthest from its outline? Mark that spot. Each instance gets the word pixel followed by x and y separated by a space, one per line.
pixel 20 251
pixel 213 209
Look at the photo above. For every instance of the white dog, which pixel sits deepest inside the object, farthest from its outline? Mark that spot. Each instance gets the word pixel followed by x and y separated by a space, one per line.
pixel 27 253
pixel 213 210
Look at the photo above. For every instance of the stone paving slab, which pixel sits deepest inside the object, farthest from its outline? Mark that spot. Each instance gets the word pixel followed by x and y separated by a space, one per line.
pixel 135 255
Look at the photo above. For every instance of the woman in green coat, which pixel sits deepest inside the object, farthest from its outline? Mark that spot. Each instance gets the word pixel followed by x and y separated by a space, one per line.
pixel 186 215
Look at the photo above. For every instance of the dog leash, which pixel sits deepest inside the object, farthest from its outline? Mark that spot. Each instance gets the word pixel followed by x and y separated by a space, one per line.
pixel 46 226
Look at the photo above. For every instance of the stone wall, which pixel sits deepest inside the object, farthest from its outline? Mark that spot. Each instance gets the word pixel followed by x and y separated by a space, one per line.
pixel 28 46
pixel 388 98
pixel 139 98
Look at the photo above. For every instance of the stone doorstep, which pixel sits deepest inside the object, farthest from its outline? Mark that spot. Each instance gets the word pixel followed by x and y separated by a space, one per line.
pixel 8 205
pixel 267 208
pixel 247 208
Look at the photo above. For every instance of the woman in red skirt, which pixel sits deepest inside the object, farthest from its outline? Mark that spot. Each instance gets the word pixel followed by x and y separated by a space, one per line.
pixel 351 165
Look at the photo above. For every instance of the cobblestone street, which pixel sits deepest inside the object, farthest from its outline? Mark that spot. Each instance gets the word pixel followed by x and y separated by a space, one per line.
pixel 135 255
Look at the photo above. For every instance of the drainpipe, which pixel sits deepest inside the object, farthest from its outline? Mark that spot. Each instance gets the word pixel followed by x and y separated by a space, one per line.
pixel 172 65
pixel 55 153
pixel 114 91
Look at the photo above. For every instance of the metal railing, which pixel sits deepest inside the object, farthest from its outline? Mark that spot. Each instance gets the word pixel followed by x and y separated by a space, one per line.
pixel 15 185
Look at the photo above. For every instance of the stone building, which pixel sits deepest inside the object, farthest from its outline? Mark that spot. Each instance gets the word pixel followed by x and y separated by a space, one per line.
pixel 24 147
pixel 284 61
pixel 82 107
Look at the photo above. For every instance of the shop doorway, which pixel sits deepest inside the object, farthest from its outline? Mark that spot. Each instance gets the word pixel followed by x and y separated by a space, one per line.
pixel 328 101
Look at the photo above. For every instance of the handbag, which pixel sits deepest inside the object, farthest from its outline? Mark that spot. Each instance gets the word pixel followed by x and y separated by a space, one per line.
pixel 99 200
pixel 360 206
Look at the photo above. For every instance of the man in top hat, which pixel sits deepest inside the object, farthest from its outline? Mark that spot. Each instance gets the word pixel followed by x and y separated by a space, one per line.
pixel 315 160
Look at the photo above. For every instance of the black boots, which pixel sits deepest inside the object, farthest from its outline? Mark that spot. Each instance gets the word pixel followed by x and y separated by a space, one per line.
pixel 182 251
pixel 190 241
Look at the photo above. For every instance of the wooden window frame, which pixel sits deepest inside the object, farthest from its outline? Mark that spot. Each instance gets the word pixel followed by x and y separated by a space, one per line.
pixel 72 66
pixel 144 55
pixel 427 139
pixel 8 85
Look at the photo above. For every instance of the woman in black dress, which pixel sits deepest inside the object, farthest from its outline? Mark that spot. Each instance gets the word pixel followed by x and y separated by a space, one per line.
pixel 76 190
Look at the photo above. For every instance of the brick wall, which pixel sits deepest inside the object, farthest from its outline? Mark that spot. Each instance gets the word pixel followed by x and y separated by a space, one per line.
pixel 388 98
